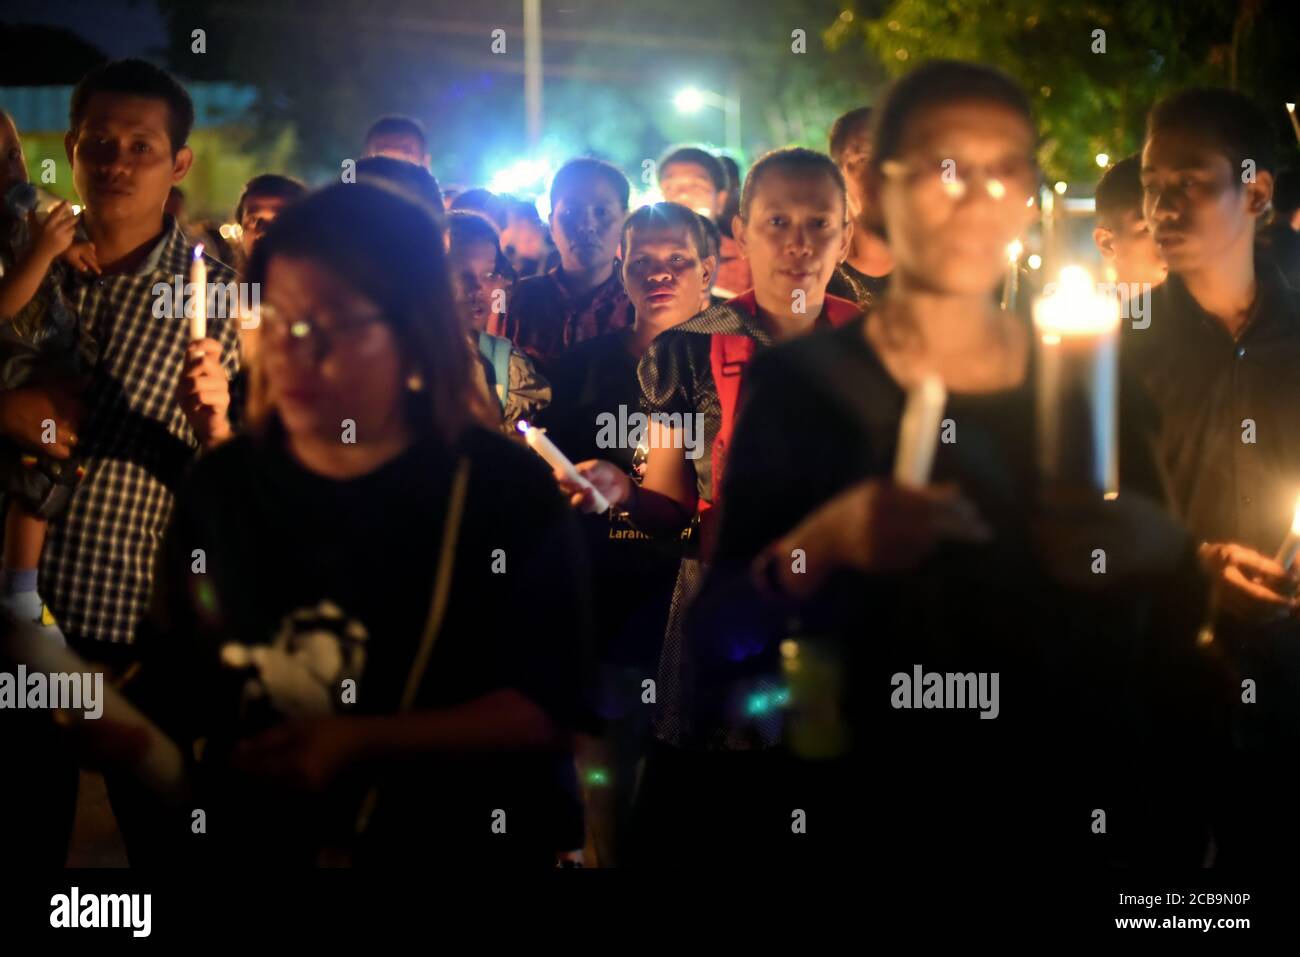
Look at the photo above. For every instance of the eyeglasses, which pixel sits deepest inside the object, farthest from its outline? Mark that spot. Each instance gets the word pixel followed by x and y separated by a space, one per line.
pixel 323 336
pixel 1015 178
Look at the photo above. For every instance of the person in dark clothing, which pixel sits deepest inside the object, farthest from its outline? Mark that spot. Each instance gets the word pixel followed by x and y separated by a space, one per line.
pixel 384 643
pixel 1220 358
pixel 868 262
pixel 596 407
pixel 834 588
pixel 793 228
pixel 583 297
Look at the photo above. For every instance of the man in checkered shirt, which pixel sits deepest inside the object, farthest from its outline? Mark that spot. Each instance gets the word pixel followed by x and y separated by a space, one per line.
pixel 129 124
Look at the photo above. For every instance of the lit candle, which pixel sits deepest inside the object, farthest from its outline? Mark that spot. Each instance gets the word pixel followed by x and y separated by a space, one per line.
pixel 1078 387
pixel 1291 545
pixel 199 280
pixel 1295 124
pixel 918 432
pixel 1011 285
pixel 539 443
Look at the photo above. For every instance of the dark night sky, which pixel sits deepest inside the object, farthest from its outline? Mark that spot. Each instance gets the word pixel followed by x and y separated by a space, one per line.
pixel 118 27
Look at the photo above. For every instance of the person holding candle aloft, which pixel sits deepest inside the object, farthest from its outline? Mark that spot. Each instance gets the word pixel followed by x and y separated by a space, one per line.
pixel 985 571
pixel 1221 361
pixel 463 704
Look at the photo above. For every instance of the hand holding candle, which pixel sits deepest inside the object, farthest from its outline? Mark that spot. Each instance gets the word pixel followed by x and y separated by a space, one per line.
pixel 199 280
pixel 918 432
pixel 539 443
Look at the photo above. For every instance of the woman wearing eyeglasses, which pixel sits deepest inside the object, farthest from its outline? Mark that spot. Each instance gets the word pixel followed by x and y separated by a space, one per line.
pixel 1061 628
pixel 370 607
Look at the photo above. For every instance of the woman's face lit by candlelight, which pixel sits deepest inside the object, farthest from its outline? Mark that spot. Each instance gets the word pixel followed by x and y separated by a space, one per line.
pixel 958 192
pixel 329 356
pixel 796 234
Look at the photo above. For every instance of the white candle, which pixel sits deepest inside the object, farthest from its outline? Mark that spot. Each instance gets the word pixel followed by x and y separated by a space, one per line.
pixel 1078 328
pixel 539 443
pixel 1291 545
pixel 199 280
pixel 918 432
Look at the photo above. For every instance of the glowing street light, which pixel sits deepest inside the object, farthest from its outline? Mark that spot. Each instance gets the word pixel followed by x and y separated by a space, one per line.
pixel 691 100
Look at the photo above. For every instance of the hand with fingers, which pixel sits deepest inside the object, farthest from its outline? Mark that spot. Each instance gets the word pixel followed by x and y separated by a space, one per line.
pixel 1141 540
pixel 203 392
pixel 1248 585
pixel 25 413
pixel 878 527
pixel 82 257
pixel 52 236
pixel 606 477
pixel 305 754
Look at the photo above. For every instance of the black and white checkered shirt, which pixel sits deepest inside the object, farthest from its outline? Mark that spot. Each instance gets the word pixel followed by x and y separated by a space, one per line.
pixel 134 441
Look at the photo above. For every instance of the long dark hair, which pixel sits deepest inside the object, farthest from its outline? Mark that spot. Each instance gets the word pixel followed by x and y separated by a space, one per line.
pixel 391 251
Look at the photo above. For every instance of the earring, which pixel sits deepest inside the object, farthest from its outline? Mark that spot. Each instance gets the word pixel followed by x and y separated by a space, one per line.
pixel 414 383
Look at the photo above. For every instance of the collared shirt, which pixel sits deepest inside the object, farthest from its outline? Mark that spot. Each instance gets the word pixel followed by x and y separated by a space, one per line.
pixel 544 319
pixel 1229 409
pixel 135 442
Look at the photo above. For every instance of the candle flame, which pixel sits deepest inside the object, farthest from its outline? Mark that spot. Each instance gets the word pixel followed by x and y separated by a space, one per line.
pixel 1290 107
pixel 198 251
pixel 1014 249
pixel 522 425
pixel 1075 307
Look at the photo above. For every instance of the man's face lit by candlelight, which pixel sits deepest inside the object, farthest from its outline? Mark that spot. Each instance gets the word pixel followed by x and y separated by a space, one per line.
pixel 1127 244
pixel 690 185
pixel 795 236
pixel 664 274
pixel 585 224
pixel 1195 202
pixel 121 155
pixel 958 194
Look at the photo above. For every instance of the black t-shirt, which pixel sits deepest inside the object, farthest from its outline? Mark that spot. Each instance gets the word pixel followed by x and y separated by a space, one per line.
pixel 1089 683
pixel 595 398
pixel 281 544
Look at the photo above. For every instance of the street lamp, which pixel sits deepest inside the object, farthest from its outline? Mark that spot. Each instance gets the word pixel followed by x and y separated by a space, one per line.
pixel 692 100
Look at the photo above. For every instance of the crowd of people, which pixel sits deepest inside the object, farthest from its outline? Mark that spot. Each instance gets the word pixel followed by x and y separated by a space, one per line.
pixel 313 547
